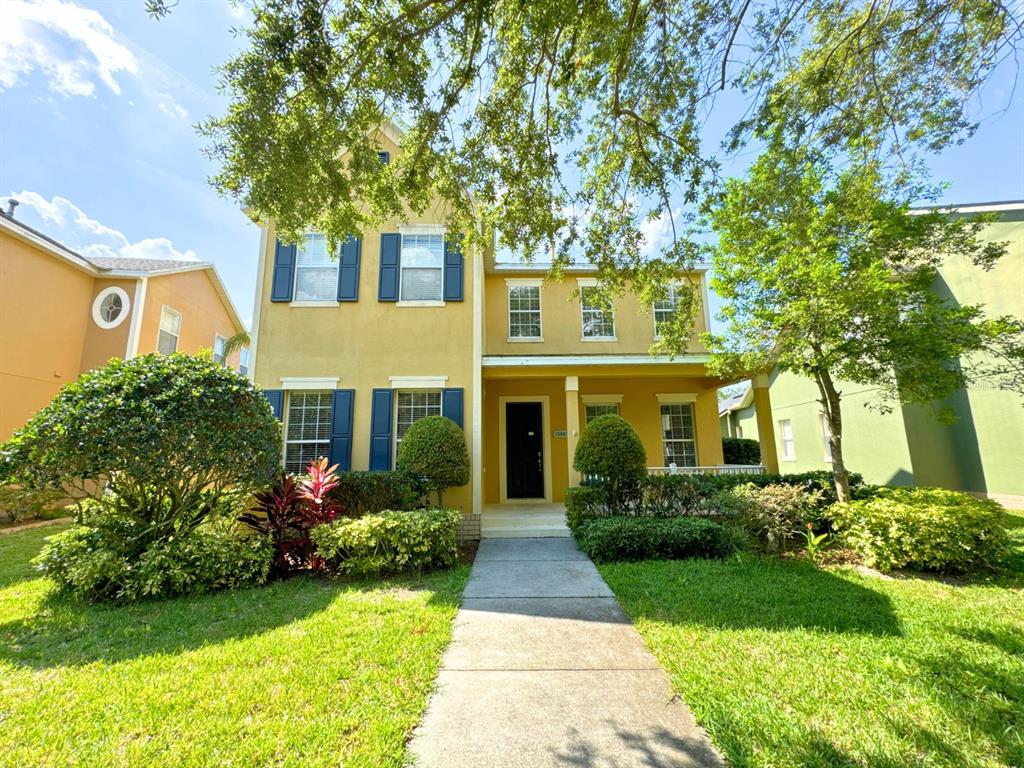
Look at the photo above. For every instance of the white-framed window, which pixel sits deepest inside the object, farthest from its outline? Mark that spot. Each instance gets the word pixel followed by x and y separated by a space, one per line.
pixel 592 410
pixel 316 270
pixel 411 406
pixel 422 264
pixel 110 307
pixel 665 310
pixel 307 429
pixel 598 323
pixel 786 439
pixel 524 311
pixel 170 328
pixel 243 361
pixel 220 347
pixel 826 435
pixel 679 434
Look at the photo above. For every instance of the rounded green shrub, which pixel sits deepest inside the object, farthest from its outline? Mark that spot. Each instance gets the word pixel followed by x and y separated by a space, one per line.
pixel 434 448
pixel 741 450
pixel 610 451
pixel 927 529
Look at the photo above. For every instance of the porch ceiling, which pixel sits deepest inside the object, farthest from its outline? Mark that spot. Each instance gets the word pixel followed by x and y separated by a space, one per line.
pixel 596 366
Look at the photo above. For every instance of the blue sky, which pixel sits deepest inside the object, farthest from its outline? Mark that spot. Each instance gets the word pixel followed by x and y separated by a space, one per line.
pixel 98 103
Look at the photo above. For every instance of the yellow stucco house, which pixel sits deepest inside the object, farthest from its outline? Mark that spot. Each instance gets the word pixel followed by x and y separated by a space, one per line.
pixel 63 313
pixel 352 348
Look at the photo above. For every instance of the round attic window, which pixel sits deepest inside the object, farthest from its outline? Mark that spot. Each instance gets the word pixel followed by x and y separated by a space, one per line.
pixel 110 307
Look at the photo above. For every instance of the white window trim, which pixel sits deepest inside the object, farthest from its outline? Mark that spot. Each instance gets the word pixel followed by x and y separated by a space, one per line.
pixel 223 362
pixel 524 282
pixel 423 303
pixel 310 303
pixel 420 229
pixel 295 282
pixel 677 398
pixel 601 399
pixel 309 382
pixel 418 382
pixel 126 307
pixel 590 282
pixel 159 330
pixel 782 440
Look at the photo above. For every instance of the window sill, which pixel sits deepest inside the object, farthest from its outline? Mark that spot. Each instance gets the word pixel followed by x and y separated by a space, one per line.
pixel 314 304
pixel 785 458
pixel 599 338
pixel 524 339
pixel 430 303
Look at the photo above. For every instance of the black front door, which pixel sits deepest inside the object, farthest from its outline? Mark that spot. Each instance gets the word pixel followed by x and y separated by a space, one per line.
pixel 524 451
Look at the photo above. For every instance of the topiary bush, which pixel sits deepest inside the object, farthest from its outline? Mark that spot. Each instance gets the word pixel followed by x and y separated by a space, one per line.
pixel 610 449
pixel 362 493
pixel 612 539
pixel 169 435
pixel 926 529
pixel 99 558
pixel 434 448
pixel 740 450
pixel 390 542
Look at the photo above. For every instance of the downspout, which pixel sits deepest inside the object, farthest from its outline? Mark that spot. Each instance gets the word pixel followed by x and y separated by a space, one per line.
pixel 135 329
pixel 478 389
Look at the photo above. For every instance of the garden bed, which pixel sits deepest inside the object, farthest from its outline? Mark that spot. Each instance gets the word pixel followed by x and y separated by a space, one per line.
pixel 302 672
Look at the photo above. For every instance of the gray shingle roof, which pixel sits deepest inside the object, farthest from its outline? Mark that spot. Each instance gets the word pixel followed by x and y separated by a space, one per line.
pixel 119 263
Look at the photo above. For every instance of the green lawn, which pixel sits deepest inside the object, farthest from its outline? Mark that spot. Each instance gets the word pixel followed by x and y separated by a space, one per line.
pixel 788 665
pixel 300 673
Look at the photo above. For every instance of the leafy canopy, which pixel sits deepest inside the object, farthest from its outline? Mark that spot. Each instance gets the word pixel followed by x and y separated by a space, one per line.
pixel 564 127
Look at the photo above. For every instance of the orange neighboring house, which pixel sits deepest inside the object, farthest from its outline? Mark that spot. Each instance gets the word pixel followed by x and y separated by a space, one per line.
pixel 62 313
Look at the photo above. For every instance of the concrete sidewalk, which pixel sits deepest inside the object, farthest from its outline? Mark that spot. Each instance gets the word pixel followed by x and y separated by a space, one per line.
pixel 545 669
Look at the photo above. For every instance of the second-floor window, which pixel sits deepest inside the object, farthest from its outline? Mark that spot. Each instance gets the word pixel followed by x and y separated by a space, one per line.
pixel 598 323
pixel 316 272
pixel 524 312
pixel 243 361
pixel 170 326
pixel 220 345
pixel 422 267
pixel 665 311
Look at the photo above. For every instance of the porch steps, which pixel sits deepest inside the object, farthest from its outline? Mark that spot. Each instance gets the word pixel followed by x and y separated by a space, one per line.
pixel 522 522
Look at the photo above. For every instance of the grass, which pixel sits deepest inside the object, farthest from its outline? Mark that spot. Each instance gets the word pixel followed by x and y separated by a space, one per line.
pixel 304 672
pixel 788 665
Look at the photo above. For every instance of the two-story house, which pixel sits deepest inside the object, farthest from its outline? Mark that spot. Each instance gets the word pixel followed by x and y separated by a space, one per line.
pixel 352 348
pixel 63 313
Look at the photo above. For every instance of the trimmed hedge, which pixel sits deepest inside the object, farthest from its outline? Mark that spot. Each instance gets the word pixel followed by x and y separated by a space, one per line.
pixel 741 450
pixel 389 542
pixel 927 529
pixel 364 493
pixel 612 539
pixel 610 448
pixel 434 448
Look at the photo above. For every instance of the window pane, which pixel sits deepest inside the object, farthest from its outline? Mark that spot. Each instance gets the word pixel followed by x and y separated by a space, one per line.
pixel 596 322
pixel 421 284
pixel 411 407
pixel 678 435
pixel 313 252
pixel 524 312
pixel 665 310
pixel 170 321
pixel 308 430
pixel 593 411
pixel 316 283
pixel 422 251
pixel 167 343
pixel 110 307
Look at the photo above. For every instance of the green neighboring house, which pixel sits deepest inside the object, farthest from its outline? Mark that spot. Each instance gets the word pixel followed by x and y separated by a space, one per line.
pixel 983 453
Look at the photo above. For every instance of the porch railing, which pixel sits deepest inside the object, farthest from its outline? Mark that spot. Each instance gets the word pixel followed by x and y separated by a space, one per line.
pixel 715 469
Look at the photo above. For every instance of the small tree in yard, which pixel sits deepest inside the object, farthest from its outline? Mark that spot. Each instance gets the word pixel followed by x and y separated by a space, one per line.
pixel 826 272
pixel 434 447
pixel 169 436
pixel 610 448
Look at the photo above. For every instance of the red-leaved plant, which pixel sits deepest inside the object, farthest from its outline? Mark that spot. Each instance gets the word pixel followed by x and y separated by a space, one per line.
pixel 289 509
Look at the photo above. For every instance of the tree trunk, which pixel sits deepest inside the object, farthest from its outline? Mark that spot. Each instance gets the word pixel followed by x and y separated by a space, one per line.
pixel 830 405
pixel 440 498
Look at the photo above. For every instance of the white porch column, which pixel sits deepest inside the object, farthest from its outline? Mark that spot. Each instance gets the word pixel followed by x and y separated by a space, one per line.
pixel 572 423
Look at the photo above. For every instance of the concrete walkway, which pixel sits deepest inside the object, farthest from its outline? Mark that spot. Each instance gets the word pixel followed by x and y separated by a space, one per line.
pixel 544 669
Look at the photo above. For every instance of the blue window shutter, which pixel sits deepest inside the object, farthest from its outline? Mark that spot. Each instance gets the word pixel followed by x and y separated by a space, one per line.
pixel 341 428
pixel 384 157
pixel 348 269
pixel 453 270
pixel 380 430
pixel 451 405
pixel 390 266
pixel 276 399
pixel 284 272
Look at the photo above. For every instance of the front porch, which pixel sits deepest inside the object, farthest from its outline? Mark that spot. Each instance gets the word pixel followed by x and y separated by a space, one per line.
pixel 520 521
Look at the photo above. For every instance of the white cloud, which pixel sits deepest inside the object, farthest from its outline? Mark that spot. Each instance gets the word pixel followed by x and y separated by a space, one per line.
pixel 171 108
pixel 66 222
pixel 657 232
pixel 72 46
